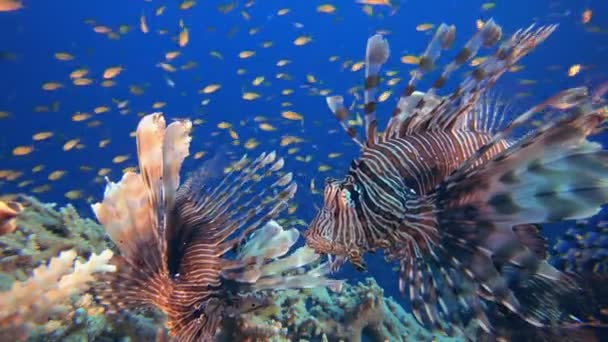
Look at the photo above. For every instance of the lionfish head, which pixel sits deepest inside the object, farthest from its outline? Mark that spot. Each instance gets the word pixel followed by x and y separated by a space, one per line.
pixel 329 231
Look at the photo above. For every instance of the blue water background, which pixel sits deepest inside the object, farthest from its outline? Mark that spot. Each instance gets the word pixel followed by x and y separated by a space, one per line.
pixel 43 28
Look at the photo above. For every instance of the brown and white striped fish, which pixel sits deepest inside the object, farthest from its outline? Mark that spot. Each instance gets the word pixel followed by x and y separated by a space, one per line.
pixel 449 191
pixel 178 243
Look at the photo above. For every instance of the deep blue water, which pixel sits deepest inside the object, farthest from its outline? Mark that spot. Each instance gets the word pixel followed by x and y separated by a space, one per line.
pixel 30 37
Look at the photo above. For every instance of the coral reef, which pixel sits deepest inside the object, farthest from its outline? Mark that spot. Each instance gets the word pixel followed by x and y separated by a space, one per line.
pixel 357 313
pixel 42 233
pixel 45 294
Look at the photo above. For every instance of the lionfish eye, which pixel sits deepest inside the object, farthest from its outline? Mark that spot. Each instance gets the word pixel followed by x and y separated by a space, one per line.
pixel 348 197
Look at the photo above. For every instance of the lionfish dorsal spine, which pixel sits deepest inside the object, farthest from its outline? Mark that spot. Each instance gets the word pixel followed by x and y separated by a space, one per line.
pixel 442 39
pixel 376 54
pixel 336 105
pixel 482 77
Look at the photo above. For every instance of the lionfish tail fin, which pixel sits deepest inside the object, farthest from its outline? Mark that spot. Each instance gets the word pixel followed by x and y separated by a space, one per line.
pixel 418 111
pixel 222 217
pixel 552 174
pixel 132 212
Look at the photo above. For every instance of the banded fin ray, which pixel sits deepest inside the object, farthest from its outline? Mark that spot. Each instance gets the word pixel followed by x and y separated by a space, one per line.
pixel 419 112
pixel 376 54
pixel 233 207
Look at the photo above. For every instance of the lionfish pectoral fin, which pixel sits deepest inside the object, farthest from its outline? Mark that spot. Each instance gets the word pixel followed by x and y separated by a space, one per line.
pixel 552 175
pixel 442 297
pixel 132 213
pixel 132 287
pixel 219 219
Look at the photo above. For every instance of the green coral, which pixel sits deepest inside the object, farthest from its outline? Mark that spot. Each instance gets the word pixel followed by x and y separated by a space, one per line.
pixel 359 312
pixel 42 233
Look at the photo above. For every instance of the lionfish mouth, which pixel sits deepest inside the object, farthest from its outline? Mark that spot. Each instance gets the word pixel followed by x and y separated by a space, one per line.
pixel 335 259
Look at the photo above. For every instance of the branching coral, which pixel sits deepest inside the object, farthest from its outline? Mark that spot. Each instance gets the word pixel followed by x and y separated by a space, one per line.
pixel 44 294
pixel 43 232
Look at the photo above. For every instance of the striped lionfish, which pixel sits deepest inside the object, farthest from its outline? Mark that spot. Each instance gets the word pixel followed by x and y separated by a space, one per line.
pixel 183 249
pixel 450 192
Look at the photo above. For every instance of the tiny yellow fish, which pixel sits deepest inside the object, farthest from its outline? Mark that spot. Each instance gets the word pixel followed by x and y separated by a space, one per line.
pixel 574 70
pixel 42 136
pixel 357 66
pixel 326 8
pixel 112 72
pixel 119 159
pixel 56 175
pixel 267 127
pixel 211 88
pixel 246 54
pixel 290 115
pixel 251 144
pixel 233 134
pixel 82 82
pixel 101 109
pixel 103 172
pixel 143 26
pixel 424 27
pixel 487 6
pixel 64 56
pixel 250 96
pixel 79 73
pixel 171 55
pixel 257 81
pixel 22 150
pixel 70 144
pixel 384 96
pixel 283 62
pixel 80 117
pixel 184 37
pixel 410 59
pixel 51 86
pixel 302 40
pixel 187 4
pixel 73 194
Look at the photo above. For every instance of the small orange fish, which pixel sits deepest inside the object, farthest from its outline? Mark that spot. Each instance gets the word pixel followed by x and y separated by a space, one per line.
pixel 586 16
pixel 10 5
pixel 392 4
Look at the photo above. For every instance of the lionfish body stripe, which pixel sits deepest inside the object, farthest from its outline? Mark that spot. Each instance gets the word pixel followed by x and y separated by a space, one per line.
pixel 452 193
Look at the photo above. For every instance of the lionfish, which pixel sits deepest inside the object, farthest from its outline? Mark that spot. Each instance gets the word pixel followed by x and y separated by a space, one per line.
pixel 450 191
pixel 199 255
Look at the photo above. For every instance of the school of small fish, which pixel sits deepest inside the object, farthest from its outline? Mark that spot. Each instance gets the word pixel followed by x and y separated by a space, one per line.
pixel 270 82
pixel 285 122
